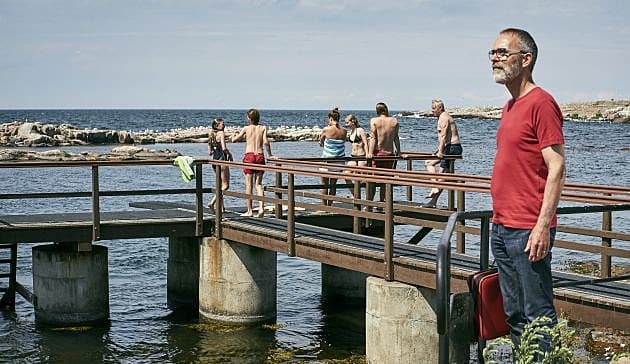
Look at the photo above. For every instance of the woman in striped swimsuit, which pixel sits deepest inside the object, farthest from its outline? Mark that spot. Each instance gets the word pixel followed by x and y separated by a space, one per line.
pixel 333 140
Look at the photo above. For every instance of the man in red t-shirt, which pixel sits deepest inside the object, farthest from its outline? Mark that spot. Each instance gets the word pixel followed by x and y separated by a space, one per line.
pixel 527 180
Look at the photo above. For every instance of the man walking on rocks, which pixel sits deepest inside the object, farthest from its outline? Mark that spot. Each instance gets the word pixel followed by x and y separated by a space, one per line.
pixel 527 180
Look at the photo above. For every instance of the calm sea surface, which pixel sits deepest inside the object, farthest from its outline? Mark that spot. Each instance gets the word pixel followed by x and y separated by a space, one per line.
pixel 143 329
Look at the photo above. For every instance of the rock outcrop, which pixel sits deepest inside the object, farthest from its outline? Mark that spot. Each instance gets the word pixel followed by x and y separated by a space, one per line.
pixel 35 134
pixel 127 152
pixel 617 111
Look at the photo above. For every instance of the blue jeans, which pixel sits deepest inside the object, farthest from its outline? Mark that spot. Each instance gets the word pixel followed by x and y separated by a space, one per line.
pixel 526 287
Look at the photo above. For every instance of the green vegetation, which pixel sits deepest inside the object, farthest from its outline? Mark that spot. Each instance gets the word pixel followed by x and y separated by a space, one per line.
pixel 562 340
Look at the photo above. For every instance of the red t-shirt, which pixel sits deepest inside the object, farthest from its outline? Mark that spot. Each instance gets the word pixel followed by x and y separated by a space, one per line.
pixel 528 125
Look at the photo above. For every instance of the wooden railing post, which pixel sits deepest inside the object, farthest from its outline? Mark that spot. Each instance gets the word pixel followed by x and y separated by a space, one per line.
pixel 460 235
pixel 484 244
pixel 218 212
pixel 96 206
pixel 451 193
pixel 356 220
pixel 278 194
pixel 409 188
pixel 388 239
pixel 606 268
pixel 290 214
pixel 199 199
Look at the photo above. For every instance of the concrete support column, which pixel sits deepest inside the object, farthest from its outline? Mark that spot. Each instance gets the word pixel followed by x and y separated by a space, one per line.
pixel 400 323
pixel 71 287
pixel 182 282
pixel 343 286
pixel 237 282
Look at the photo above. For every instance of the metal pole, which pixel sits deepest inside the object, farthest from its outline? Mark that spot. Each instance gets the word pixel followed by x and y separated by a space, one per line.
pixel 291 215
pixel 96 209
pixel 389 232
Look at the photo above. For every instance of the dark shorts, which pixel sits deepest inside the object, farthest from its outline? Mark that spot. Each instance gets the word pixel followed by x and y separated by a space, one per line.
pixel 253 158
pixel 383 164
pixel 450 149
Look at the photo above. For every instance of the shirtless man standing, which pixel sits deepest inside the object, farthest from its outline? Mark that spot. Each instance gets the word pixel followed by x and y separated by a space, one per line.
pixel 255 137
pixel 448 144
pixel 384 142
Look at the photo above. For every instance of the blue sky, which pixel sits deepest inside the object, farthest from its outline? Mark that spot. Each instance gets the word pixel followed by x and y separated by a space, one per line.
pixel 302 54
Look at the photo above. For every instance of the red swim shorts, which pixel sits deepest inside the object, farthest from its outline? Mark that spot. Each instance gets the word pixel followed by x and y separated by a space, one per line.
pixel 383 164
pixel 253 158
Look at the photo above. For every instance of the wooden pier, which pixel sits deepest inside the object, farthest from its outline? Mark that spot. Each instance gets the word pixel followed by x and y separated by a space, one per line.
pixel 300 225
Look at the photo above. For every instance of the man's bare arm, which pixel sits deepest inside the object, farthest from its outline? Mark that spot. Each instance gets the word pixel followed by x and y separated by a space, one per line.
pixel 373 139
pixel 442 126
pixel 538 243
pixel 397 140
pixel 238 137
pixel 266 143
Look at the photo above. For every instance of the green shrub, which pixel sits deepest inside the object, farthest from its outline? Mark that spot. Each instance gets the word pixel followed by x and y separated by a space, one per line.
pixel 562 338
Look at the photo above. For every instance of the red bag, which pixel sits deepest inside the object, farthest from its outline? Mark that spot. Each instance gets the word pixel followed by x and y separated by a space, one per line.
pixel 490 319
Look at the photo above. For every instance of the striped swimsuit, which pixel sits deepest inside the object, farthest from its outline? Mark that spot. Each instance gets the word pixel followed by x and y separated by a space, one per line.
pixel 334 148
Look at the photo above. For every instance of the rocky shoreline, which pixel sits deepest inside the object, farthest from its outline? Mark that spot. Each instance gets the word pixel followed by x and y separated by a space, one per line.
pixel 35 134
pixel 22 133
pixel 616 111
pixel 126 152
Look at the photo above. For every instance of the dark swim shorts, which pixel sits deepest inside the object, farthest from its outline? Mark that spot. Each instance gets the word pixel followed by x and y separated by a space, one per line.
pixel 383 164
pixel 450 149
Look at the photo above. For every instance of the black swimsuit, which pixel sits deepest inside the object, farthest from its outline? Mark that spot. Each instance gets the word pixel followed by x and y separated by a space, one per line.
pixel 356 139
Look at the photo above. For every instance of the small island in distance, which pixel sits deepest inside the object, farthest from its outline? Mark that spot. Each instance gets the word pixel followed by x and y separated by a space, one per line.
pixel 617 111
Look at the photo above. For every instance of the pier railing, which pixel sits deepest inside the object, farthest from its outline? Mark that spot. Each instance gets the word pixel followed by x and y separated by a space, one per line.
pixel 292 191
pixel 443 264
pixel 293 196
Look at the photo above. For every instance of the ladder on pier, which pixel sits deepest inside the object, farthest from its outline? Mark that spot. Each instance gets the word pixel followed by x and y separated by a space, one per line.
pixel 8 267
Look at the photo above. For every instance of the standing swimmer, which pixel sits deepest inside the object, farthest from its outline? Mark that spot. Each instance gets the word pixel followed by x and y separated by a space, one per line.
pixel 217 148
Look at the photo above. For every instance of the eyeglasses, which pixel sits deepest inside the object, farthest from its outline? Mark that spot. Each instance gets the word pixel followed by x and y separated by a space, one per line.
pixel 503 53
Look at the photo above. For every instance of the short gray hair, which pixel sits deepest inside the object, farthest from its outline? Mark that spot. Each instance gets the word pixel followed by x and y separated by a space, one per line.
pixel 438 102
pixel 526 42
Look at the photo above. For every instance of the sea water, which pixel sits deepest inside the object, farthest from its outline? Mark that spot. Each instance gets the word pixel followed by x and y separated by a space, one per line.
pixel 143 329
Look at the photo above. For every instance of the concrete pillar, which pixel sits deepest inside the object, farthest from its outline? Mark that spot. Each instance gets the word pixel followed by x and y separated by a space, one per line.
pixel 182 282
pixel 71 287
pixel 343 286
pixel 237 282
pixel 400 323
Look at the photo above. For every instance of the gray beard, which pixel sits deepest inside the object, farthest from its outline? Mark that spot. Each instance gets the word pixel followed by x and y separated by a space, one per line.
pixel 504 75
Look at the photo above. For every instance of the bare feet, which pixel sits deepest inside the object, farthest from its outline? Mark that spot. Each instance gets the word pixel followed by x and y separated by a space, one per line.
pixel 261 213
pixel 428 204
pixel 247 214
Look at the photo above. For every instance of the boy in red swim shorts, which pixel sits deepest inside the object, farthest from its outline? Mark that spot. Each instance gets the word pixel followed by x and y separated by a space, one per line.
pixel 255 138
